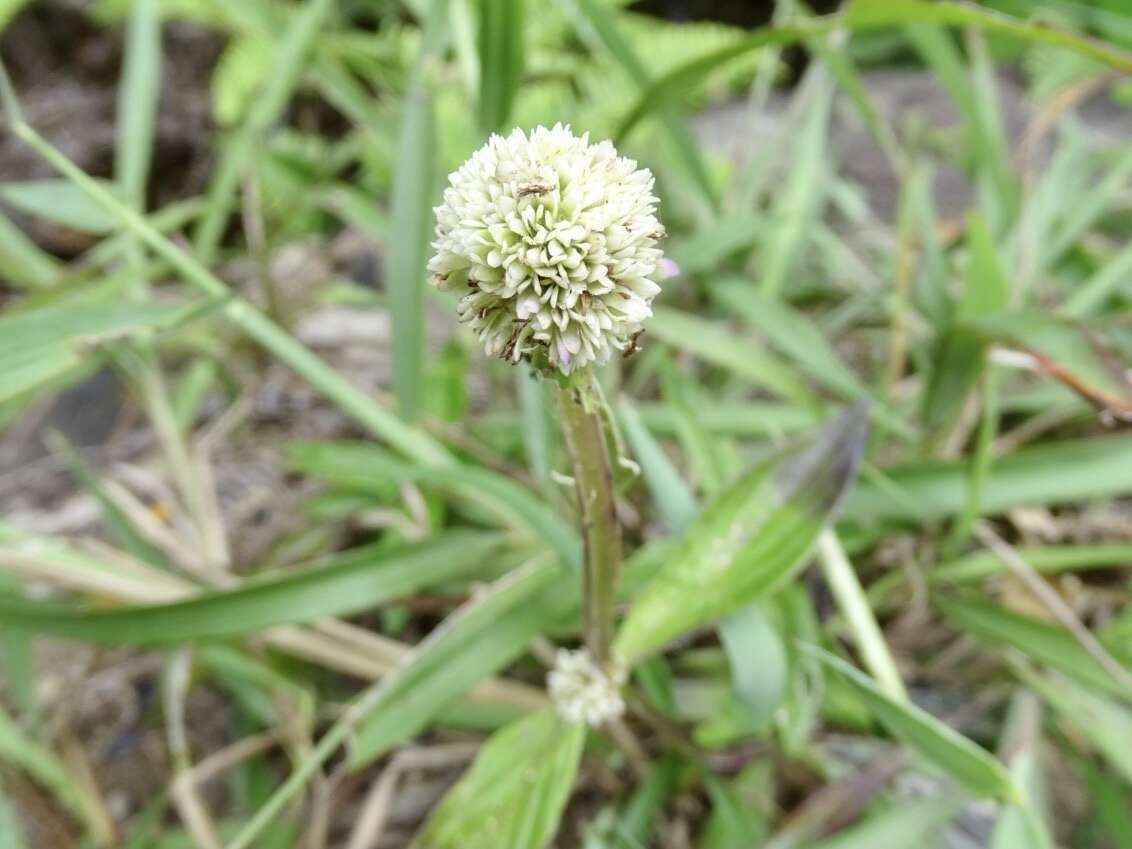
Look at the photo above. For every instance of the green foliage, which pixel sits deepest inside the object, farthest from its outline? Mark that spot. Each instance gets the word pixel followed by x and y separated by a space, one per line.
pixel 515 791
pixel 963 284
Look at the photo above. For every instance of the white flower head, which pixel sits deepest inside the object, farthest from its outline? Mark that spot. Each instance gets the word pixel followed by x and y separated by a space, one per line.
pixel 582 691
pixel 552 241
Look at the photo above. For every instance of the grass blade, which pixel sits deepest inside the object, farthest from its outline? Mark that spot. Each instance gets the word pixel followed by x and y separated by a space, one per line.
pixel 138 96
pixel 974 768
pixel 348 583
pixel 288 65
pixel 413 186
pixel 501 60
pixel 362 467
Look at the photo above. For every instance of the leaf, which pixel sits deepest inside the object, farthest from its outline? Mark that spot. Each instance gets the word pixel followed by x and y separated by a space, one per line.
pixel 363 467
pixel 41 764
pixel 749 540
pixel 117 523
pixel 11 834
pixel 501 60
pixel 9 9
pixel 1025 823
pixel 477 640
pixel 350 582
pixel 515 791
pixel 287 66
pixel 1051 558
pixel 674 502
pixel 1050 473
pixel 1065 351
pixel 961 353
pixel 1107 724
pixel 949 751
pixel 712 343
pixel 799 202
pixel 39 345
pixel 25 264
pixel 732 822
pixel 600 20
pixel 1110 805
pixel 1044 642
pixel 864 14
pixel 791 332
pixel 138 96
pixel 910 822
pixel 413 189
pixel 636 820
pixel 758 661
pixel 59 202
pixel 238 75
pixel 711 245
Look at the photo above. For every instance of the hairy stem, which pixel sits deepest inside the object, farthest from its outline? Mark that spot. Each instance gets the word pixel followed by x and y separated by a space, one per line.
pixel 585 440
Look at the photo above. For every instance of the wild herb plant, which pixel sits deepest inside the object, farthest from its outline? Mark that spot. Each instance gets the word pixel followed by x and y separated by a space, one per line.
pixel 612 543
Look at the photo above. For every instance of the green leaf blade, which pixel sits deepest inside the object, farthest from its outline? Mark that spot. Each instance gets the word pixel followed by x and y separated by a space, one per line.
pixel 749 540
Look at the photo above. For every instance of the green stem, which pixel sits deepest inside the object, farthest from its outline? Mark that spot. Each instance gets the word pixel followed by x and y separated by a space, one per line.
pixel 854 605
pixel 585 440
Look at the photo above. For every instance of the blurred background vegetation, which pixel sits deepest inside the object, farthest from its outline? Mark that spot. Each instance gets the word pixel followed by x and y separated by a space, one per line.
pixel 212 539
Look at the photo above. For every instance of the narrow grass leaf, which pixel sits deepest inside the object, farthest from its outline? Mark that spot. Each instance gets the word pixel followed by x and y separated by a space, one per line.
pixel 913 822
pixel 476 641
pixel 1025 823
pixel 501 60
pixel 791 332
pixel 949 751
pixel 1042 641
pixel 758 660
pixel 865 14
pixel 138 94
pixel 25 264
pixel 117 523
pixel 635 821
pixel 745 358
pixel 1051 558
pixel 59 202
pixel 533 406
pixel 362 467
pixel 707 248
pixel 11 832
pixel 798 203
pixel 346 583
pixel 1068 352
pixel 674 501
pixel 1110 804
pixel 749 540
pixel 1110 278
pixel 1051 473
pixel 1105 723
pixel 41 764
pixel 239 151
pixel 600 19
pixel 733 823
pixel 38 346
pixel 516 790
pixel 413 189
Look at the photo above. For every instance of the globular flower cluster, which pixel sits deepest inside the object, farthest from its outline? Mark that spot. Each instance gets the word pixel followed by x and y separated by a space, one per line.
pixel 582 691
pixel 552 241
